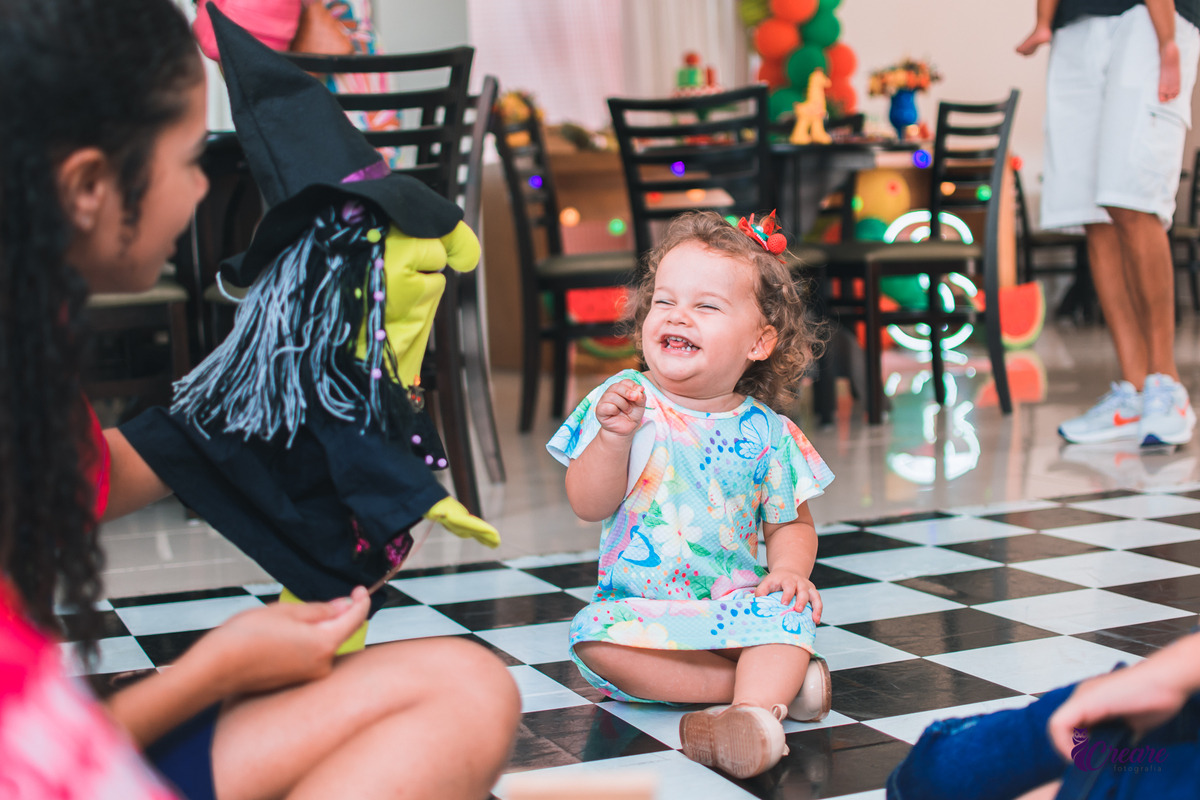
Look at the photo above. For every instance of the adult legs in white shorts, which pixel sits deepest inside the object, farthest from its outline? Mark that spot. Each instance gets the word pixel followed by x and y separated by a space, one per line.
pixel 1112 161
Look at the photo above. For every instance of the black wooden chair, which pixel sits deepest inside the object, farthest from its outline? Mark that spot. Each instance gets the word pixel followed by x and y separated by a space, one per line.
pixel 470 295
pixel 971 152
pixel 1080 296
pixel 427 146
pixel 710 152
pixel 547 274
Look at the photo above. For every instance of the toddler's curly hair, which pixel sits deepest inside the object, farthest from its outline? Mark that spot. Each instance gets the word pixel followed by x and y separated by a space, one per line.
pixel 774 380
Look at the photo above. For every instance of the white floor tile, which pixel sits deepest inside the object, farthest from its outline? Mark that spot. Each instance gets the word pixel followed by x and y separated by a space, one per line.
pixel 1143 506
pixel 465 586
pixel 1109 568
pixel 584 593
pixel 676 777
pixel 410 622
pixel 1080 611
pixel 908 562
pixel 909 727
pixel 190 615
pixel 260 589
pixel 540 692
pixel 835 527
pixel 1001 507
pixel 552 560
pixel 949 530
pixel 845 650
pixel 115 654
pixel 531 644
pixel 846 604
pixel 1037 666
pixel 1126 534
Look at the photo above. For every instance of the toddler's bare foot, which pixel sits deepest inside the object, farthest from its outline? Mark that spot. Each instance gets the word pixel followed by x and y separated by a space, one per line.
pixel 1040 36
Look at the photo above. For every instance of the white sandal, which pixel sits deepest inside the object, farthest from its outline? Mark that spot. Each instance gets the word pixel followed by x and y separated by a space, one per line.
pixel 815 698
pixel 741 740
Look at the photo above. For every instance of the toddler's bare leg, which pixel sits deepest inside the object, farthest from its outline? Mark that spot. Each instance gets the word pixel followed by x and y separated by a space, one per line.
pixel 768 674
pixel 672 676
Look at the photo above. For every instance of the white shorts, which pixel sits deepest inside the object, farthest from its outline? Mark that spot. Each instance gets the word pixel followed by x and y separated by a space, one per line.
pixel 1109 142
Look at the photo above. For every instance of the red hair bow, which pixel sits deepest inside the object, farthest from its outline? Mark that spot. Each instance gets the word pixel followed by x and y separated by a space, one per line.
pixel 765 233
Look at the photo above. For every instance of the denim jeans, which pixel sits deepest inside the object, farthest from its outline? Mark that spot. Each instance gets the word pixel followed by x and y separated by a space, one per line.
pixel 1001 756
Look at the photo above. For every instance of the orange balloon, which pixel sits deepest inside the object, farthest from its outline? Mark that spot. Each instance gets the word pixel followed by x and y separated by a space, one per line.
pixel 775 38
pixel 796 12
pixel 773 73
pixel 841 61
pixel 842 94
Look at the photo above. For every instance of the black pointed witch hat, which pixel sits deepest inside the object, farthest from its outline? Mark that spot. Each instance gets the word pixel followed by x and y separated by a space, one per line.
pixel 304 154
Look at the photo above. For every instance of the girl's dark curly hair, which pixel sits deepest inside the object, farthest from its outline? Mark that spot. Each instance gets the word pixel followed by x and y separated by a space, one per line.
pixel 774 380
pixel 109 74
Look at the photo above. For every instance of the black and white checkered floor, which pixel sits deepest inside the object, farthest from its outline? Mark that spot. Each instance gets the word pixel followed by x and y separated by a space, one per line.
pixel 926 616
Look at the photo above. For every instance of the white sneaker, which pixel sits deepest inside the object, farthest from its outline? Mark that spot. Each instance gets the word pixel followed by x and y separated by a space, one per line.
pixel 1115 417
pixel 1167 417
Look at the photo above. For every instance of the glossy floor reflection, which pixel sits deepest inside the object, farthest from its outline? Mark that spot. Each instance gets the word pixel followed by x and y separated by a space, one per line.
pixel 968 561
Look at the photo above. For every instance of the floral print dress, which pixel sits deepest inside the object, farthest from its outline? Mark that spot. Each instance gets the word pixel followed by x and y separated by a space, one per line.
pixel 679 557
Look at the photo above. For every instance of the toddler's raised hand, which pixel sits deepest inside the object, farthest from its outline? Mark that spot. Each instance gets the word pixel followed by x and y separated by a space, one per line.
pixel 620 409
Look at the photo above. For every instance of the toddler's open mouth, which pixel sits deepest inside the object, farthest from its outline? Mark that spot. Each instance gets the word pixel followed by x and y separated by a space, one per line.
pixel 678 344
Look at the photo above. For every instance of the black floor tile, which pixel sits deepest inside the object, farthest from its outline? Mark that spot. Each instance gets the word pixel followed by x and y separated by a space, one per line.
pixel 1059 517
pixel 178 597
pixel 915 516
pixel 1182 552
pixel 453 569
pixel 1084 498
pixel 855 542
pixel 824 576
pixel 580 733
pixel 507 612
pixel 394 598
pixel 1186 520
pixel 509 661
pixel 109 625
pixel 1142 640
pixel 906 687
pixel 829 762
pixel 566 673
pixel 1182 592
pixel 106 684
pixel 987 585
pixel 1027 547
pixel 166 648
pixel 568 576
pixel 946 631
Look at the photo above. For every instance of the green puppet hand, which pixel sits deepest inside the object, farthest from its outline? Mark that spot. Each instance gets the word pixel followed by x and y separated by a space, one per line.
pixel 454 517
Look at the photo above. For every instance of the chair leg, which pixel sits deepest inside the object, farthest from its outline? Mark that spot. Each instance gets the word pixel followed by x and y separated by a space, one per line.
pixel 479 381
pixel 531 365
pixel 825 383
pixel 874 325
pixel 450 392
pixel 994 341
pixel 937 363
pixel 558 405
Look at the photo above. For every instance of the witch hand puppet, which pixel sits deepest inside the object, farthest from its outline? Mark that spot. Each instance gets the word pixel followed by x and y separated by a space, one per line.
pixel 301 437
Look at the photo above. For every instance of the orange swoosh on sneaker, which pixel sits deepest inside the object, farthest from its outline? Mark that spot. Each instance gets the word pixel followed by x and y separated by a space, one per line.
pixel 1118 420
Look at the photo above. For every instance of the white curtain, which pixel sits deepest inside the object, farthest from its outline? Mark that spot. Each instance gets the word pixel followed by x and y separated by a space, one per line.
pixel 658 33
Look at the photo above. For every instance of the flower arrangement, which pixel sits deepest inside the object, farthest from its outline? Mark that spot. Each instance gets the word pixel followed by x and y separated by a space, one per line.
pixel 907 74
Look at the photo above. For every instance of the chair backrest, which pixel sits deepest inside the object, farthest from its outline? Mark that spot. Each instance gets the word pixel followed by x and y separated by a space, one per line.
pixel 427 139
pixel 477 122
pixel 707 152
pixel 970 156
pixel 529 183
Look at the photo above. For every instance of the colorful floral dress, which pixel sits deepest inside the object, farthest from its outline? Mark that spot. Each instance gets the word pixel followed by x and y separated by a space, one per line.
pixel 679 557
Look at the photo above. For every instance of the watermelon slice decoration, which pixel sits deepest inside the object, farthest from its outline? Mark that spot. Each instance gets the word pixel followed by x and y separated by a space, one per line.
pixel 600 305
pixel 1022 314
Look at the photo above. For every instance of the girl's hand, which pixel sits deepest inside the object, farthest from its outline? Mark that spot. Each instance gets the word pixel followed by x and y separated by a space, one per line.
pixel 620 409
pixel 793 585
pixel 1136 694
pixel 282 643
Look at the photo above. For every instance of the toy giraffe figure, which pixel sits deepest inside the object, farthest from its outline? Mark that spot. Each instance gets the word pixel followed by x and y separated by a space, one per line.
pixel 810 115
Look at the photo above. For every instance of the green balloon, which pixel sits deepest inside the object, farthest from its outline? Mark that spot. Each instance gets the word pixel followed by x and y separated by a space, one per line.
pixel 779 104
pixel 905 290
pixel 801 64
pixel 822 30
pixel 828 6
pixel 870 229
